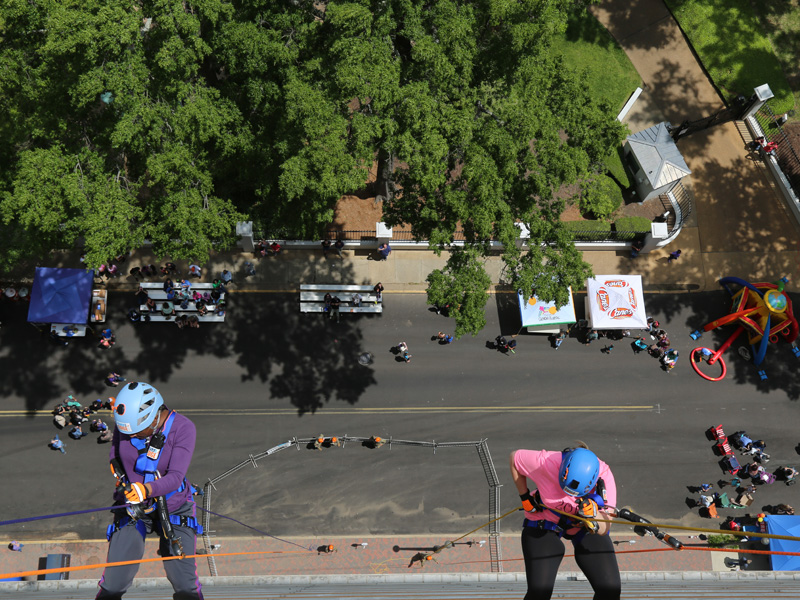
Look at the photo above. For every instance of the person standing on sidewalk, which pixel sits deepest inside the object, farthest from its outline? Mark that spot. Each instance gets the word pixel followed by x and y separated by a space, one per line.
pixel 151 440
pixel 673 256
pixel 384 250
pixel 339 246
pixel 577 482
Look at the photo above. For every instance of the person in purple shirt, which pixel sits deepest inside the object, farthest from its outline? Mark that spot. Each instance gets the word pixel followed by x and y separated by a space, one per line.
pixel 151 450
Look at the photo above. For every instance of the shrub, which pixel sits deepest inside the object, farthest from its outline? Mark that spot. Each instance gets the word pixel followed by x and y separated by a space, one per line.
pixel 600 197
pixel 637 224
pixel 588 230
pixel 718 541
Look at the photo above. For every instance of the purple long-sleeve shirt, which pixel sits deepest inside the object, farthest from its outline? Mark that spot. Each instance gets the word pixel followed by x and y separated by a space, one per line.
pixel 176 455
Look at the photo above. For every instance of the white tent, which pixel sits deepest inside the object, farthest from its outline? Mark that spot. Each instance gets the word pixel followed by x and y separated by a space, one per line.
pixel 615 302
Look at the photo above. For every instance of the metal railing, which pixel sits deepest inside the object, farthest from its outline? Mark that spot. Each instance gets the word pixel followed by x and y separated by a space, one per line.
pixel 301 443
pixel 786 154
pixel 682 202
pixel 588 234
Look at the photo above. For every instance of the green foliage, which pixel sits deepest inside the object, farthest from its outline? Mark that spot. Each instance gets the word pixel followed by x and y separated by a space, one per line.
pixel 271 110
pixel 616 169
pixel 600 197
pixel 463 284
pixel 638 224
pixel 141 166
pixel 722 540
pixel 733 47
pixel 589 48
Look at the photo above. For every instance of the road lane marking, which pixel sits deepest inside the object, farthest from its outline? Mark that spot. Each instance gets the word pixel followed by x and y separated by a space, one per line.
pixel 381 410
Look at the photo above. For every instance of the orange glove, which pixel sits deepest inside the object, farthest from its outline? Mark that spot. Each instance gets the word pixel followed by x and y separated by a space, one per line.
pixel 587 508
pixel 136 493
pixel 527 501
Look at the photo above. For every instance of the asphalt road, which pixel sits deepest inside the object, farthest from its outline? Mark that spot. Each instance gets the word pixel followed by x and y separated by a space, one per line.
pixel 270 374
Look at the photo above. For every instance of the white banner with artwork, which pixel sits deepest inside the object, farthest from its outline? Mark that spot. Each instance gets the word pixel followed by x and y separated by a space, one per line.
pixel 535 313
pixel 616 302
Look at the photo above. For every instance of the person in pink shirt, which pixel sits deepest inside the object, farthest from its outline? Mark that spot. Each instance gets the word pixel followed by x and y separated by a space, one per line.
pixel 577 482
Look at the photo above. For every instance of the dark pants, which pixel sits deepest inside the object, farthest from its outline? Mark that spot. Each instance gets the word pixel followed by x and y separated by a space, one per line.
pixel 543 551
pixel 128 544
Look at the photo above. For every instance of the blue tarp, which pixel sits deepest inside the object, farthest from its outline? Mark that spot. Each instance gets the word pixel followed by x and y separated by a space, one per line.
pixel 784 525
pixel 61 296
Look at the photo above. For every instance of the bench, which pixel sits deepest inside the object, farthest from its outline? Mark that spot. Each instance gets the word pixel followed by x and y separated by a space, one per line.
pixel 312 298
pixel 159 318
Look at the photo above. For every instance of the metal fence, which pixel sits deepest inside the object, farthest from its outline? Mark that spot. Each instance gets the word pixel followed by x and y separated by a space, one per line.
pixel 787 156
pixel 683 201
pixel 300 443
pixel 590 232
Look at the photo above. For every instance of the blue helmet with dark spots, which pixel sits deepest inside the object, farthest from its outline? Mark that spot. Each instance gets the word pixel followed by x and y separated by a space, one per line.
pixel 580 469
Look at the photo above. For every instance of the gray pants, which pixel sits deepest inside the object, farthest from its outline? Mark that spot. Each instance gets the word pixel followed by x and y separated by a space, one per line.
pixel 128 544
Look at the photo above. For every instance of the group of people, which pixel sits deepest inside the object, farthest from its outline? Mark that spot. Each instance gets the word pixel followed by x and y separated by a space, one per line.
pixel 660 348
pixel 186 298
pixel 262 249
pixel 338 246
pixel 332 304
pixel 70 413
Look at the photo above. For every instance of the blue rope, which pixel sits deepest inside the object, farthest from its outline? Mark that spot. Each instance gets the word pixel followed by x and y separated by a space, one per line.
pixel 118 506
pixel 67 514
pixel 211 512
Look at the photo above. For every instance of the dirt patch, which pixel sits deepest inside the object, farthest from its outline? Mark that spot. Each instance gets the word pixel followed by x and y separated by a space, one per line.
pixel 358 213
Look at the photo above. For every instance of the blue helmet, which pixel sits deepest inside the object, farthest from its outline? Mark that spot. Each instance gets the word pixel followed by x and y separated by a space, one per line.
pixel 136 407
pixel 580 469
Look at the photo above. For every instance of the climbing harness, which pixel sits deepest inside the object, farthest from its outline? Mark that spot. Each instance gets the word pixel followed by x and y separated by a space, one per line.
pixel 147 466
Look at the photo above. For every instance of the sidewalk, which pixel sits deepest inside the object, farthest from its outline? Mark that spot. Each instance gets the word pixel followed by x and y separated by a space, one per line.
pixel 381 555
pixel 740 225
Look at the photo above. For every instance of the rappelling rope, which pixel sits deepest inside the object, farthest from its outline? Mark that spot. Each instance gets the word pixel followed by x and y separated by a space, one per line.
pixel 135 562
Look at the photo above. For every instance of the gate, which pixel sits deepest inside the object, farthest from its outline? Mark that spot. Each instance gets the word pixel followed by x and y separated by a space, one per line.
pixel 732 113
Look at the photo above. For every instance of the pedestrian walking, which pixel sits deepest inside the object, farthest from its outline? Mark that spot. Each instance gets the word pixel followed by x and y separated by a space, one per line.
pixel 339 246
pixel 378 289
pixel 384 250
pixel 590 337
pixel 559 339
pixel 326 247
pixel 574 481
pixel 114 379
pixel 249 269
pixel 136 273
pixel 226 277
pixel 607 349
pixel 143 424
pixel 402 348
pixel 57 444
pixel 335 304
pixel 444 338
pixel 15 546
pixel 673 256
pixel 195 271
pixel 76 433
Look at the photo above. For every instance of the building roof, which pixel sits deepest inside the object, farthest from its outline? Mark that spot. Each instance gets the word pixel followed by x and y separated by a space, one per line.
pixel 658 155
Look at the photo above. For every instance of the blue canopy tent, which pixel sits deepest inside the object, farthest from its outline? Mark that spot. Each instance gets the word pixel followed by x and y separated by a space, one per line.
pixel 784 525
pixel 61 296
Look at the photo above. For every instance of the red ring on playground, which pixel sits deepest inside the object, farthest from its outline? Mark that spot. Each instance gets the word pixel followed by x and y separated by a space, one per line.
pixel 703 375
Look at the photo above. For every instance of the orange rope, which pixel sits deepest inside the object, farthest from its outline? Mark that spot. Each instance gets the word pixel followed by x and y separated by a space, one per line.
pixel 137 562
pixel 665 549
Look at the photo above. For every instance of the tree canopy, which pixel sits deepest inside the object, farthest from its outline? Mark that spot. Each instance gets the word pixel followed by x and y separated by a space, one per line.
pixel 170 120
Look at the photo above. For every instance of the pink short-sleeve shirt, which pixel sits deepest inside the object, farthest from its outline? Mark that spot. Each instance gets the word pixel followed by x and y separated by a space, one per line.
pixel 541 467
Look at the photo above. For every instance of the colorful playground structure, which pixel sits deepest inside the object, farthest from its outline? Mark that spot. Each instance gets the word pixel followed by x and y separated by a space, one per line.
pixel 763 310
